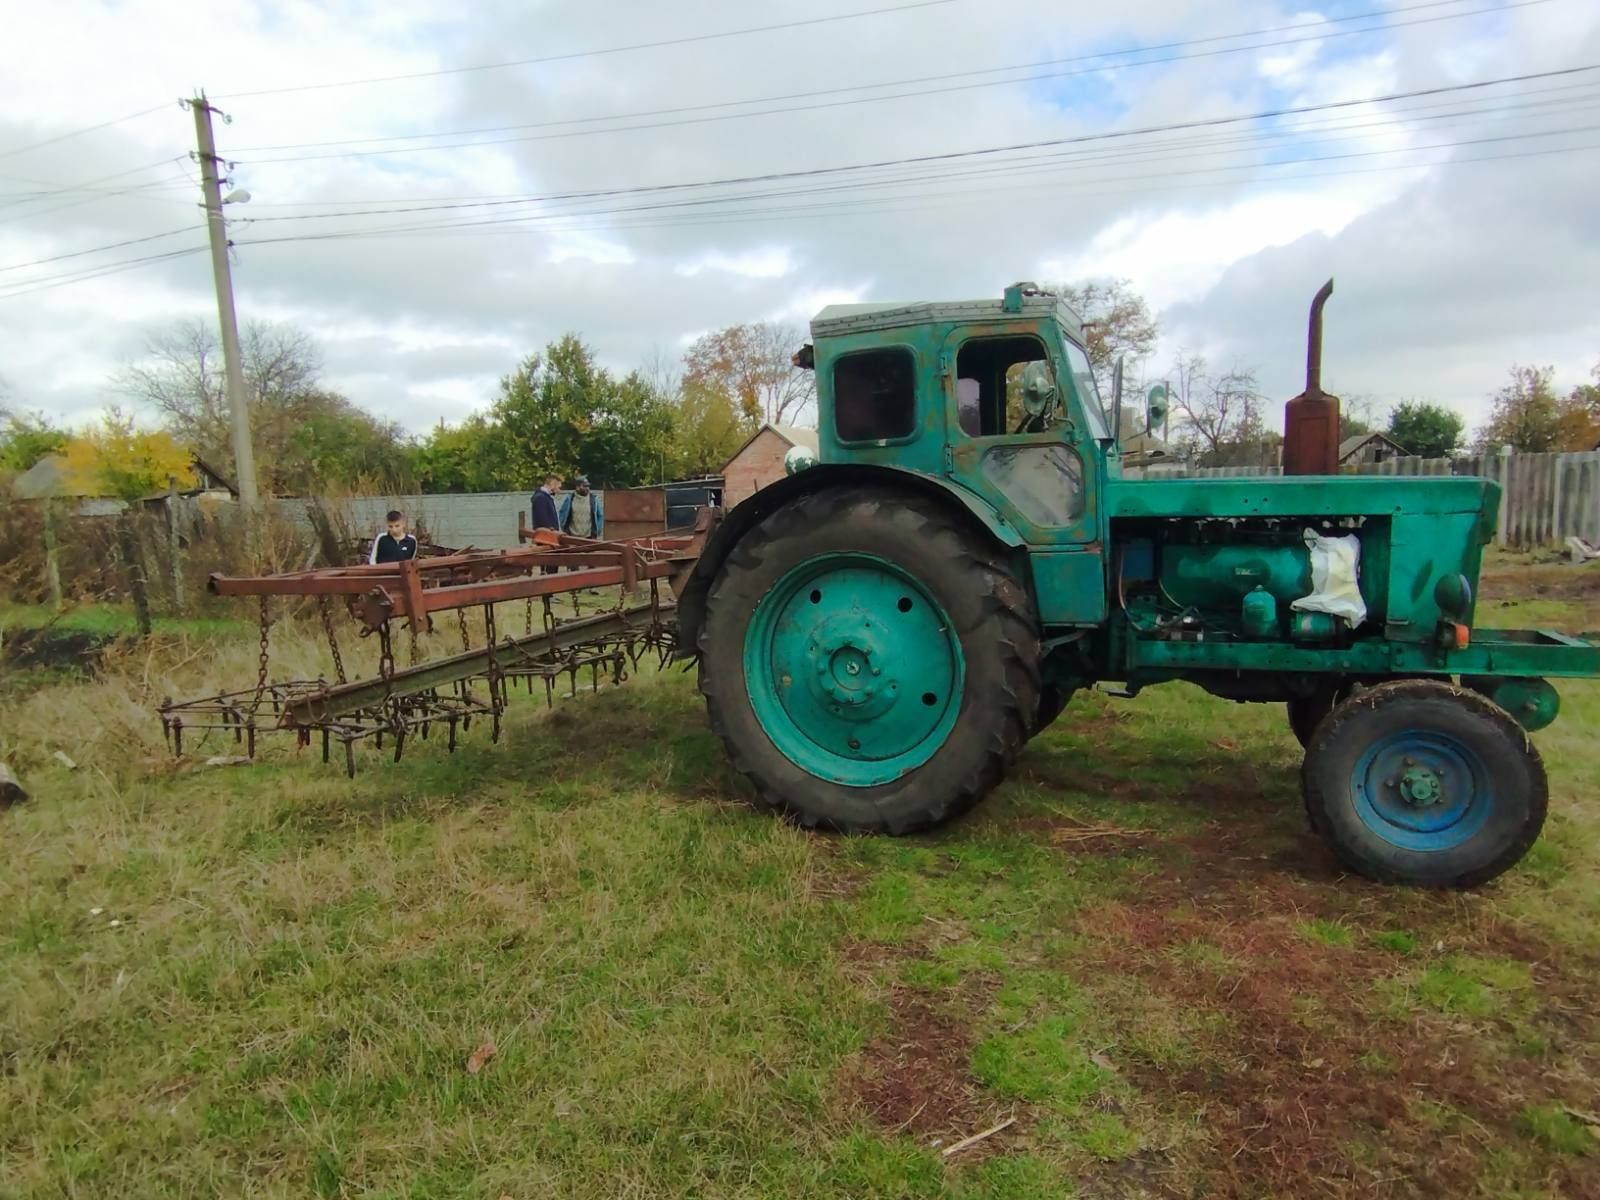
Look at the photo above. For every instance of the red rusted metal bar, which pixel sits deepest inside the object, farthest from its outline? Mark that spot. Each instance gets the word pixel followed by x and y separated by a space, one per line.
pixel 411 585
pixel 494 591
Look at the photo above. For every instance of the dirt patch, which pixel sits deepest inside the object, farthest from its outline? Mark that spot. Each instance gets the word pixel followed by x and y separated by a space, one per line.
pixel 1305 1085
pixel 915 1078
pixel 1558 582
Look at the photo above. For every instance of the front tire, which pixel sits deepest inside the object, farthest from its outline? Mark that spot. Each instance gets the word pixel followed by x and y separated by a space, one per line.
pixel 1421 782
pixel 869 663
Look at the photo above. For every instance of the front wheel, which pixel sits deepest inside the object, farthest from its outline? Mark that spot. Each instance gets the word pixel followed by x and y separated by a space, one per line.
pixel 1418 781
pixel 870 664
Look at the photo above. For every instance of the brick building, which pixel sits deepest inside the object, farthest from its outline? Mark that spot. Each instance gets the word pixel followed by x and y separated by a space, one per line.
pixel 760 460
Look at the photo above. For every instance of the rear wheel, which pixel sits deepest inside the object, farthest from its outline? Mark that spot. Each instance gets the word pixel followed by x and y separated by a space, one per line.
pixel 1417 781
pixel 869 664
pixel 1306 712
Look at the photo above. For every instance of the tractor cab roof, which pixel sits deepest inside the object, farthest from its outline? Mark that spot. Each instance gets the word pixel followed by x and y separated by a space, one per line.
pixel 839 319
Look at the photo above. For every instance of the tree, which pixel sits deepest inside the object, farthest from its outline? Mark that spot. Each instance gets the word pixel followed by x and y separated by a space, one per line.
pixel 1525 415
pixel 1426 430
pixel 563 413
pixel 464 458
pixel 752 365
pixel 1579 420
pixel 296 424
pixel 338 444
pixel 116 458
pixel 1116 323
pixel 706 431
pixel 1220 415
pixel 25 438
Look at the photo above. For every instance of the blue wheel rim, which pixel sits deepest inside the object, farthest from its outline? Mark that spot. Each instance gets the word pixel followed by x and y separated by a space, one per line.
pixel 853 669
pixel 1422 790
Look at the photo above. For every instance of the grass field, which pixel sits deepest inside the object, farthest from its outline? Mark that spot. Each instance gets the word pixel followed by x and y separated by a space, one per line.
pixel 274 981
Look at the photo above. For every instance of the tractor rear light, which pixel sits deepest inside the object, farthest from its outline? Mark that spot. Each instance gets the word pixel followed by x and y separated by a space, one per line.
pixel 1463 635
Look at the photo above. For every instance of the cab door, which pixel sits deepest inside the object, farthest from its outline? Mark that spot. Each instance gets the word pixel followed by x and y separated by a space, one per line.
pixel 1041 475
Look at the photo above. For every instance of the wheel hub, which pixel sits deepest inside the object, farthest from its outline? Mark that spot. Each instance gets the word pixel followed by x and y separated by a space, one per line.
pixel 848 663
pixel 854 671
pixel 1421 787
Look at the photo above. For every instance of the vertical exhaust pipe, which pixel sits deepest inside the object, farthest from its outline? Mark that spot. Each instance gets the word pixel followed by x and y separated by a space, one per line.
pixel 1311 419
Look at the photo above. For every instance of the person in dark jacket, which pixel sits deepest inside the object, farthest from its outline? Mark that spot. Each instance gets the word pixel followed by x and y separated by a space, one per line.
pixel 544 504
pixel 394 544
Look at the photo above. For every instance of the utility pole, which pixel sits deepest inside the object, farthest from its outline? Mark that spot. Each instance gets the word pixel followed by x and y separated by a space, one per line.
pixel 243 454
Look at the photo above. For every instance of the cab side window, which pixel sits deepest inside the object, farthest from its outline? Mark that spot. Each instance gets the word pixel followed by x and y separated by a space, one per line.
pixel 989 383
pixel 875 395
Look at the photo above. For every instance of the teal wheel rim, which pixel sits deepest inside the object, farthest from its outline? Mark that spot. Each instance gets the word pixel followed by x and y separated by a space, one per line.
pixel 854 671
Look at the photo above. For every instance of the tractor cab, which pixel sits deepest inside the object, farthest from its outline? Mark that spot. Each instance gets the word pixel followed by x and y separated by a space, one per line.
pixel 993 397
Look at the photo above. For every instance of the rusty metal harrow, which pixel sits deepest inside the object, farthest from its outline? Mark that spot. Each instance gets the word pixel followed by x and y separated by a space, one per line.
pixel 449 693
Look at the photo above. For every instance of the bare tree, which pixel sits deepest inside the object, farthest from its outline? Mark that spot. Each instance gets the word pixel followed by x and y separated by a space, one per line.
pixel 662 372
pixel 1221 414
pixel 181 375
pixel 752 365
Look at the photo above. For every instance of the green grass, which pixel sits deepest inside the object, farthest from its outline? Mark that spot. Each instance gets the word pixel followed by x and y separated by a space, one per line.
pixel 1557 1129
pixel 112 620
pixel 268 980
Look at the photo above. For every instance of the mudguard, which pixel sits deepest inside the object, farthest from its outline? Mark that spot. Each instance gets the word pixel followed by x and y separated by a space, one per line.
pixel 746 515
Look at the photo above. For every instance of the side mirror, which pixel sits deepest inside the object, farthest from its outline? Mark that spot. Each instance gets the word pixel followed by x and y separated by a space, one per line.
pixel 1038 391
pixel 1155 409
pixel 1116 400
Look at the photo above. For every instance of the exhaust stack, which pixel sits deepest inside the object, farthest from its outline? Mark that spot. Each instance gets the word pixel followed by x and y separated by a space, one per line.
pixel 1311 419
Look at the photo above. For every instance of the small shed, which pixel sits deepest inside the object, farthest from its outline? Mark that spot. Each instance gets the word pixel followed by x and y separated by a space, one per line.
pixel 49 479
pixel 1364 449
pixel 642 511
pixel 760 460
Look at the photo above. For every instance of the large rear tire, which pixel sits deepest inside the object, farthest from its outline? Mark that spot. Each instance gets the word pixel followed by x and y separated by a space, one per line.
pixel 1421 782
pixel 870 664
pixel 1307 712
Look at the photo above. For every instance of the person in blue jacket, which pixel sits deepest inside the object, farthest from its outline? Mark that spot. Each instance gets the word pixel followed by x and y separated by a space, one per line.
pixel 581 514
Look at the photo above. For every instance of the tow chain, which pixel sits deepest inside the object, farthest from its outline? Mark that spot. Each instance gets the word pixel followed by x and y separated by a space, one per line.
pixel 466 641
pixel 385 656
pixel 261 657
pixel 527 623
pixel 333 639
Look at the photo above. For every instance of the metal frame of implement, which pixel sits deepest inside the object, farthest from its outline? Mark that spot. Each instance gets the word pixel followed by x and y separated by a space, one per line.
pixel 401 701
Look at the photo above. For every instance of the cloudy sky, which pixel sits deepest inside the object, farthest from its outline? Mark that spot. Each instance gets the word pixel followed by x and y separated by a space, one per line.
pixel 437 189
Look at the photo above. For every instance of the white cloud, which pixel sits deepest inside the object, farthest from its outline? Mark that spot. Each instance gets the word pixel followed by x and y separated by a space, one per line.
pixel 773 262
pixel 1469 266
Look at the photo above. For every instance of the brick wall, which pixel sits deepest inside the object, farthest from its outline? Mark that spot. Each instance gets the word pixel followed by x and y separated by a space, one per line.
pixel 758 464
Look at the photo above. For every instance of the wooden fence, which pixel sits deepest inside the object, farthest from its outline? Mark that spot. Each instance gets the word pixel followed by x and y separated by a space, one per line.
pixel 1545 498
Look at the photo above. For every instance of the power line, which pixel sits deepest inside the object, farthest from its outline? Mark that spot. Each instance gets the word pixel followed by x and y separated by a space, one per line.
pixel 953 155
pixel 55 281
pixel 867 206
pixel 102 249
pixel 931 91
pixel 1011 168
pixel 62 137
pixel 1398 117
pixel 549 58
pixel 913 81
pixel 1454 110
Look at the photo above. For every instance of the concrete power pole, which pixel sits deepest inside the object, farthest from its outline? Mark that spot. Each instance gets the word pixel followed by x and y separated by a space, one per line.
pixel 243 453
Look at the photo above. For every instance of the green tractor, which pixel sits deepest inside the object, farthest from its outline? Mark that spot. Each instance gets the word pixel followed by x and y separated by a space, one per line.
pixel 880 634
